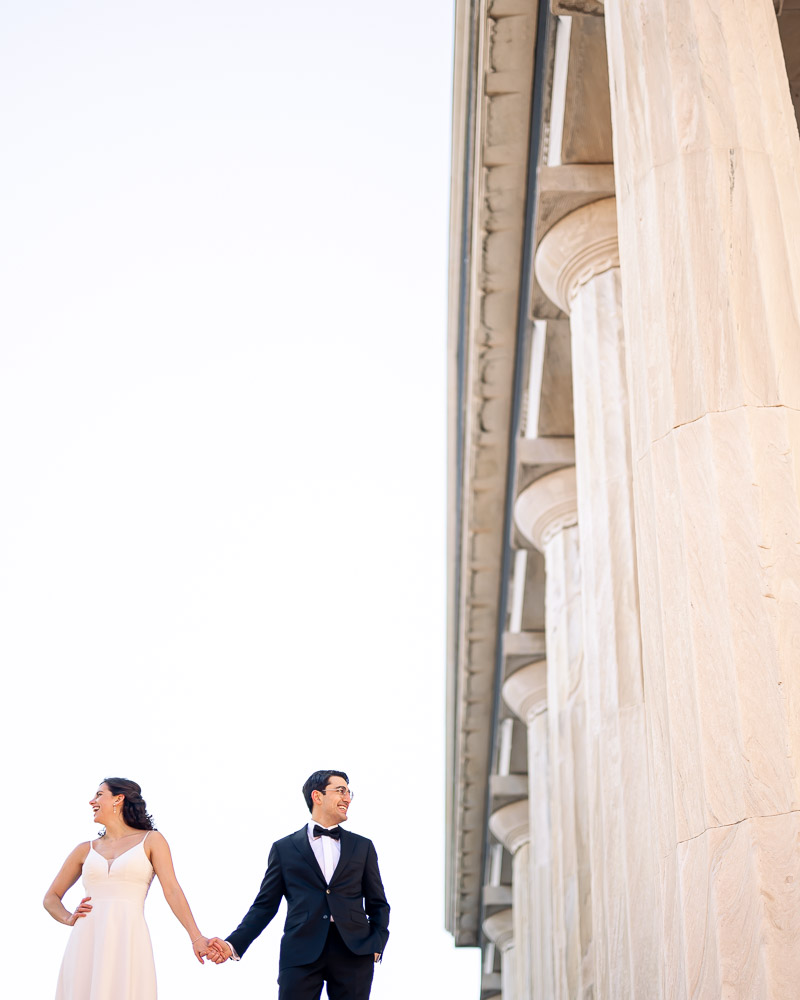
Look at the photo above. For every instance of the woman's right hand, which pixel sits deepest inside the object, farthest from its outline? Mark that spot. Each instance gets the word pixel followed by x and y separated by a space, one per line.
pixel 83 910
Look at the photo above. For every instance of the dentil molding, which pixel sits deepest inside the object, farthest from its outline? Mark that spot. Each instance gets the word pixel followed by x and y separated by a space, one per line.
pixel 580 246
pixel 547 506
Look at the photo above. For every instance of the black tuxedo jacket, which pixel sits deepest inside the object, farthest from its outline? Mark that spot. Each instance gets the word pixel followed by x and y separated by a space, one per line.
pixel 354 898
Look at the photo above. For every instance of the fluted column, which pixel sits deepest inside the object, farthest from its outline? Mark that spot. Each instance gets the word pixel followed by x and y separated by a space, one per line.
pixel 510 824
pixel 499 928
pixel 525 692
pixel 708 180
pixel 546 513
pixel 577 265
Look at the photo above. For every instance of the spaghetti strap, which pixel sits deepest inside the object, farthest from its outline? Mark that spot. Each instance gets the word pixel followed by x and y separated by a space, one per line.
pixel 144 838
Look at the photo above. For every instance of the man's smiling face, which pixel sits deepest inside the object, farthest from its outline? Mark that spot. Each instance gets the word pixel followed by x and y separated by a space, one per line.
pixel 331 807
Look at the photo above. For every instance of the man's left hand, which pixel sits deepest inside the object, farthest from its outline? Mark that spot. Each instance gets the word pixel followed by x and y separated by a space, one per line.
pixel 219 951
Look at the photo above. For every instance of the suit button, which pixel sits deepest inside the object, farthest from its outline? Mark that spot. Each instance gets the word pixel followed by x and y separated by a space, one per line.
pixel 328 891
pixel 325 917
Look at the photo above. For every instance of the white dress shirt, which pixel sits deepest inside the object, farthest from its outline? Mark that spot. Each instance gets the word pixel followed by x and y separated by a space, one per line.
pixel 326 850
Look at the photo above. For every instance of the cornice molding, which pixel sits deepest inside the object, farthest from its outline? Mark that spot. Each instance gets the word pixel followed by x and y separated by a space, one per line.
pixel 580 246
pixel 494 68
pixel 547 506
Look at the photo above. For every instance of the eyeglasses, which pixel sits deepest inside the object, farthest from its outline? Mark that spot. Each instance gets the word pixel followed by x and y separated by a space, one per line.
pixel 345 793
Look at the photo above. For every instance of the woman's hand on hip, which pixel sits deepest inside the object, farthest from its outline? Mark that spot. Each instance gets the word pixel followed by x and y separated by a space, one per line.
pixel 83 910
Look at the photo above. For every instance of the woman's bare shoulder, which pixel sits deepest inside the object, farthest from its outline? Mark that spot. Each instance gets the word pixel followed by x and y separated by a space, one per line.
pixel 81 852
pixel 156 840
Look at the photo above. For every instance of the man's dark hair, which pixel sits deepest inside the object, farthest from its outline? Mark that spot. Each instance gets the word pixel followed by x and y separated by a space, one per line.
pixel 318 782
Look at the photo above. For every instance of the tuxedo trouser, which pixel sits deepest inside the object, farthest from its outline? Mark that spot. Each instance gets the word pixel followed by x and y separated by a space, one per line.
pixel 348 976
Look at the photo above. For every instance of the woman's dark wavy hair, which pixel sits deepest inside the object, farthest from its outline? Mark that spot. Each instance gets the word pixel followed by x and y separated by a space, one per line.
pixel 134 807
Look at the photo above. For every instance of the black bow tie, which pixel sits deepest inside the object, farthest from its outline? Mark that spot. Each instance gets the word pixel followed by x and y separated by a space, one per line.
pixel 320 831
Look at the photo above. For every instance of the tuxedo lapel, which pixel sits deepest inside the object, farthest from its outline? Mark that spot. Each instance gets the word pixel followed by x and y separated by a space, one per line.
pixel 300 841
pixel 347 841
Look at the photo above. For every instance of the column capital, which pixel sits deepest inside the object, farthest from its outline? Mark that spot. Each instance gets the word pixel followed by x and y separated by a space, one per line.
pixel 511 825
pixel 580 246
pixel 525 691
pixel 499 928
pixel 547 506
pixel 594 7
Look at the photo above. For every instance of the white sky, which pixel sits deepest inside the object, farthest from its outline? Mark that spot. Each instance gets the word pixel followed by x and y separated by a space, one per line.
pixel 222 401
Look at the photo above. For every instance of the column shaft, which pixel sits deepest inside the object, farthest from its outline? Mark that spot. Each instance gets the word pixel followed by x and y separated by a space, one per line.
pixel 577 264
pixel 521 909
pixel 708 183
pixel 525 692
pixel 624 861
pixel 508 971
pixel 510 824
pixel 542 862
pixel 566 697
pixel 546 513
pixel 499 929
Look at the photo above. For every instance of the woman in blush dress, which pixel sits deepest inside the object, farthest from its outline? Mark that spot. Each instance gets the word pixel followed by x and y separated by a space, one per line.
pixel 109 955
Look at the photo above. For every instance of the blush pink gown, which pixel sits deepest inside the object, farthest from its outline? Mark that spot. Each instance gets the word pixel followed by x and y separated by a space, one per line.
pixel 109 955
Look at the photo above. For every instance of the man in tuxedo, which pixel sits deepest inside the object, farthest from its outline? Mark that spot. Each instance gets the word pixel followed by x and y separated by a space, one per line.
pixel 337 922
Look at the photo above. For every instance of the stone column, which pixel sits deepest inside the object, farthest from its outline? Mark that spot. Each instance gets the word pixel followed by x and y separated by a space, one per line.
pixel 546 513
pixel 577 265
pixel 525 692
pixel 708 181
pixel 511 827
pixel 499 928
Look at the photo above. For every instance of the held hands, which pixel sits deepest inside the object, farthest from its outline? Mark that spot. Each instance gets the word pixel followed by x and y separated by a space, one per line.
pixel 219 951
pixel 83 910
pixel 200 948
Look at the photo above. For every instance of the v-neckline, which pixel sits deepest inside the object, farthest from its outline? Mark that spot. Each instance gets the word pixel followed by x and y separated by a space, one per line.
pixel 111 861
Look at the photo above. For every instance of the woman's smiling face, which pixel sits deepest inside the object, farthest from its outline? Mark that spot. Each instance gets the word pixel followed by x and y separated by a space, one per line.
pixel 103 804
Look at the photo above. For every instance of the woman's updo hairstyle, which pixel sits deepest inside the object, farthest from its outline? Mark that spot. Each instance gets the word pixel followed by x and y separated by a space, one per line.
pixel 134 808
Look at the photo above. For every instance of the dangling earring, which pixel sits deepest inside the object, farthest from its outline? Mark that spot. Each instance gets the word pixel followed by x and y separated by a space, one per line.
pixel 115 810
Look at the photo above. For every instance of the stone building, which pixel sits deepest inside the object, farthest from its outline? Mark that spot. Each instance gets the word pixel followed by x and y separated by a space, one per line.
pixel 624 510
